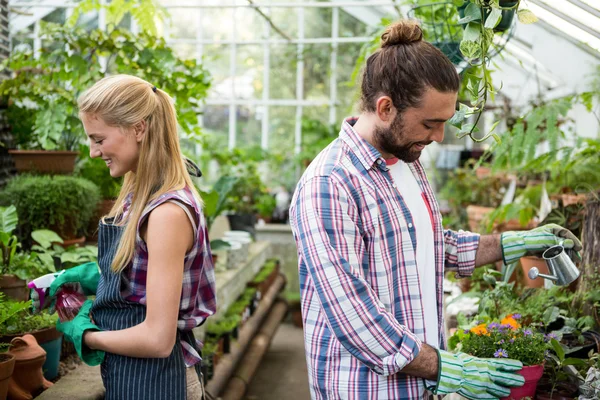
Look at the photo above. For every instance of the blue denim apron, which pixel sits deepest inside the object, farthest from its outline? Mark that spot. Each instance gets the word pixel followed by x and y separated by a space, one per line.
pixel 130 378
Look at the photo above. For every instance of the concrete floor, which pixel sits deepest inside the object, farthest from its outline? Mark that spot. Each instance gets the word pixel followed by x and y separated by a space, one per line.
pixel 282 373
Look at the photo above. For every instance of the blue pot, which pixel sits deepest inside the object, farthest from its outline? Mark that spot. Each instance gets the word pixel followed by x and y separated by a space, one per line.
pixel 52 348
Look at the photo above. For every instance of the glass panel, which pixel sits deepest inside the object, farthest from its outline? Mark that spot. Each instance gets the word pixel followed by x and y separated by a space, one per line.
pixel 319 113
pixel 281 142
pixel 286 19
pixel 184 50
pixel 216 60
pixel 248 127
pixel 348 91
pixel 283 72
pixel 317 22
pixel 350 26
pixel 216 126
pixel 249 71
pixel 249 25
pixel 57 16
pixel 22 44
pixel 88 21
pixel 216 24
pixel 316 71
pixel 184 22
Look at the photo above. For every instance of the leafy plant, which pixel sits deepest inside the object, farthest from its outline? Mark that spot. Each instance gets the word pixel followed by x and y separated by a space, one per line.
pixel 215 200
pixel 315 137
pixel 505 339
pixel 8 242
pixel 265 205
pixel 46 86
pixel 555 367
pixel 265 271
pixel 64 204
pixel 51 253
pixel 16 318
pixel 524 208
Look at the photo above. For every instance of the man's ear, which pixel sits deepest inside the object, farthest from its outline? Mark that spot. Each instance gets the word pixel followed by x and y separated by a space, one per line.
pixel 139 130
pixel 385 109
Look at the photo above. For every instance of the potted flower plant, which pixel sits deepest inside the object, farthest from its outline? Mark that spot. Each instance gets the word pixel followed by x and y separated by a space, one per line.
pixel 508 339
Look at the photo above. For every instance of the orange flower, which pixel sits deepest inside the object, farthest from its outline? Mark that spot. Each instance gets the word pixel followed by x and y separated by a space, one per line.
pixel 480 329
pixel 509 320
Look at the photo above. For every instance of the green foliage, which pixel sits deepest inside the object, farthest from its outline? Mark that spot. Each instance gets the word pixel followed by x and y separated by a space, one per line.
pixel 265 271
pixel 8 242
pixel 48 251
pixel 94 170
pixel 64 204
pixel 223 326
pixel 265 205
pixel 521 344
pixel 315 137
pixel 51 83
pixel 556 361
pixel 524 208
pixel 215 200
pixel 500 299
pixel 517 150
pixel 15 318
pixel 463 187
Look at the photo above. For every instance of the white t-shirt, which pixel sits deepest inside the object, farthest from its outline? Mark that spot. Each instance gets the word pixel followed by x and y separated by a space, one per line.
pixel 410 191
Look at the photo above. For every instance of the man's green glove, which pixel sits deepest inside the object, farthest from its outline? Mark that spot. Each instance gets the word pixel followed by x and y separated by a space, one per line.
pixel 475 378
pixel 83 278
pixel 74 330
pixel 516 244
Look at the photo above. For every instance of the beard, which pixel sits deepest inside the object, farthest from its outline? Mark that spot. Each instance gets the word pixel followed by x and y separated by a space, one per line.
pixel 392 140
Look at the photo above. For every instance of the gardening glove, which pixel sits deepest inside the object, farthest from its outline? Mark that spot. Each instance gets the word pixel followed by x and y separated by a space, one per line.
pixel 73 331
pixel 475 378
pixel 82 278
pixel 516 244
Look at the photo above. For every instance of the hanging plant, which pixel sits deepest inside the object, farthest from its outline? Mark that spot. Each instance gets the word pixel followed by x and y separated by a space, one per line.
pixel 481 19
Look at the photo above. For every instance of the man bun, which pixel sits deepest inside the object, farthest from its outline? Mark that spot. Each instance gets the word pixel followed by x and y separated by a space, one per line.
pixel 401 32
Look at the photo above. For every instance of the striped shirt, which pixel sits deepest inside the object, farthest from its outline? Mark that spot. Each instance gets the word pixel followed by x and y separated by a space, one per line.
pixel 198 295
pixel 361 303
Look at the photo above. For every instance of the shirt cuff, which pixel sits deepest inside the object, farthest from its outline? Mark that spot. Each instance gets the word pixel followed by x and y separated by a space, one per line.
pixel 410 348
pixel 461 257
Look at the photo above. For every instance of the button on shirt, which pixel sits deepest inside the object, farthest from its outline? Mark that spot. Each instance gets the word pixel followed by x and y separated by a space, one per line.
pixel 362 307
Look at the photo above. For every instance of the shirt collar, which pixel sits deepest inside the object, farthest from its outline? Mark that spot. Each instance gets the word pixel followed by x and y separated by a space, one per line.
pixel 364 151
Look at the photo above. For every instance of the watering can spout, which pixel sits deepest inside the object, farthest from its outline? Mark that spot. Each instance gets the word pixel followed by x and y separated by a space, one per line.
pixel 562 269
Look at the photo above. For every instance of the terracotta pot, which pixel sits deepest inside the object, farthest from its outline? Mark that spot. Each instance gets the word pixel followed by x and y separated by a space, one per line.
pixel 532 375
pixel 476 214
pixel 41 336
pixel 568 199
pixel 14 287
pixel 70 242
pixel 42 161
pixel 7 365
pixel 529 262
pixel 27 380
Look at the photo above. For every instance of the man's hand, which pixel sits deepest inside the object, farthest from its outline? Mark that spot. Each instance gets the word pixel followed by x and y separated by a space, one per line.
pixel 516 244
pixel 475 378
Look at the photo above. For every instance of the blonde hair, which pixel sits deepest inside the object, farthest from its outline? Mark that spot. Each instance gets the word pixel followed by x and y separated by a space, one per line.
pixel 124 101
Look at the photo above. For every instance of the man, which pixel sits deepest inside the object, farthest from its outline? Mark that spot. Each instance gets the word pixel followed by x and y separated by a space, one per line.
pixel 372 251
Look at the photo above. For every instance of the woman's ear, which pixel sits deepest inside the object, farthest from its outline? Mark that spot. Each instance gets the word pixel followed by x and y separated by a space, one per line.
pixel 139 130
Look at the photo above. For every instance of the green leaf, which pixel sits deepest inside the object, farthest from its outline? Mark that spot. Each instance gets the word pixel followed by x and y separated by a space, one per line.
pixel 472 13
pixel 526 16
pixel 574 361
pixel 560 352
pixel 46 237
pixel 8 219
pixel 472 32
pixel 493 19
pixel 219 244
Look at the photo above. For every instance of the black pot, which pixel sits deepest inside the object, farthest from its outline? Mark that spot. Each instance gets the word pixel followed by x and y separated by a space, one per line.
pixel 578 351
pixel 243 222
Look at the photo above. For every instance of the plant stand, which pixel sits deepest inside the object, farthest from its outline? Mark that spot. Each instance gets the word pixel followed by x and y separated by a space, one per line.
pixel 42 161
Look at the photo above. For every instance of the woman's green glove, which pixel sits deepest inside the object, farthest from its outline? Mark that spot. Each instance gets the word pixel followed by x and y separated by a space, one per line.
pixel 74 330
pixel 475 378
pixel 83 278
pixel 516 244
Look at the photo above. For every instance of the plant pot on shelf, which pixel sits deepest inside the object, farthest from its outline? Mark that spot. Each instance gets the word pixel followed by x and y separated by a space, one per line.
pixel 45 162
pixel 7 365
pixel 476 215
pixel 14 287
pixel 532 375
pixel 529 262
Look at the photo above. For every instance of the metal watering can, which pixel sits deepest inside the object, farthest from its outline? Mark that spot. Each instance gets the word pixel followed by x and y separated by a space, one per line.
pixel 562 269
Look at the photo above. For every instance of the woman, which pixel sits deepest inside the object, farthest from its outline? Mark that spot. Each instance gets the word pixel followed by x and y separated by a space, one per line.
pixel 156 273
